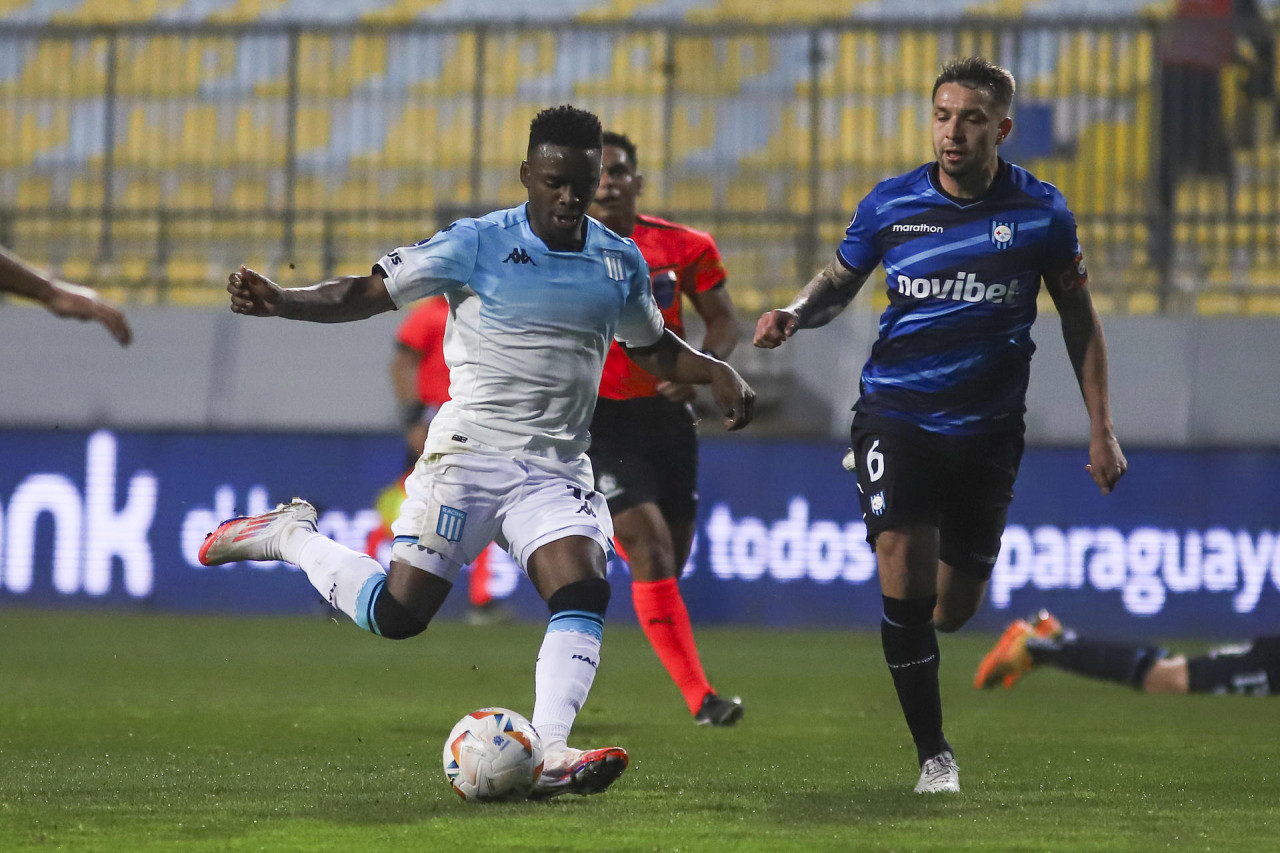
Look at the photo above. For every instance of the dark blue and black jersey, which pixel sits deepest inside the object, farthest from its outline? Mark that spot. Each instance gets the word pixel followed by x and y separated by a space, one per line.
pixel 954 352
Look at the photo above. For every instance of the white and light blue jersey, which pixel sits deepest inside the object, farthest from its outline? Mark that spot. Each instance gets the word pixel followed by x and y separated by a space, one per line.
pixel 528 327
pixel 954 351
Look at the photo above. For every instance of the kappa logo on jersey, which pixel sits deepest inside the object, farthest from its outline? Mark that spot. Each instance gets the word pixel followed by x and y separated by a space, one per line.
pixel 664 288
pixel 519 256
pixel 585 497
pixel 450 523
pixel 613 265
pixel 965 287
pixel 1002 234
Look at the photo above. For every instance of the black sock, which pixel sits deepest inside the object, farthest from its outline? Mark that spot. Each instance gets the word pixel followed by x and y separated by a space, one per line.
pixel 393 620
pixel 911 650
pixel 591 595
pixel 1125 663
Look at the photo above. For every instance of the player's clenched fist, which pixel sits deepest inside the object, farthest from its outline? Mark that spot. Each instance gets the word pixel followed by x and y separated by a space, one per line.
pixel 253 294
pixel 774 327
pixel 734 397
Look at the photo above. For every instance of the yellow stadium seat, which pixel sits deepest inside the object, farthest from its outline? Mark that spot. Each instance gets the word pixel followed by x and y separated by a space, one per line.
pixel 513 58
pixel 691 194
pixel 159 64
pixel 61 68
pixel 35 191
pixel 636 63
pixel 747 193
pixel 115 12
pixel 86 191
pixel 246 11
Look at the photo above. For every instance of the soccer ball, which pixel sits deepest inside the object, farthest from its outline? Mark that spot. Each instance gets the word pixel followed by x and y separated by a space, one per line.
pixel 491 755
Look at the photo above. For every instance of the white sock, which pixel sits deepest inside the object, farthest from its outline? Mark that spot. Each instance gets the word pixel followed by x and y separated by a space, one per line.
pixel 566 667
pixel 337 572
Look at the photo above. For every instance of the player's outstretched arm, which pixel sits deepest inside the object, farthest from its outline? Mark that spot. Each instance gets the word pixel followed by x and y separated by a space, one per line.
pixel 62 298
pixel 675 361
pixel 339 300
pixel 1087 349
pixel 818 303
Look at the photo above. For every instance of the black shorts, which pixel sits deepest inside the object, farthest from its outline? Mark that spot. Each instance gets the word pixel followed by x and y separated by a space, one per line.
pixel 645 450
pixel 1251 668
pixel 960 484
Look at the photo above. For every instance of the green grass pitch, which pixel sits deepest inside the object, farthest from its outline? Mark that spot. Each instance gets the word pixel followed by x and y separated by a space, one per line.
pixel 163 733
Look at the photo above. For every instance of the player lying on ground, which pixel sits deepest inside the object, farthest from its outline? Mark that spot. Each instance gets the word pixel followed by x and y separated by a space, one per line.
pixel 536 294
pixel 1251 668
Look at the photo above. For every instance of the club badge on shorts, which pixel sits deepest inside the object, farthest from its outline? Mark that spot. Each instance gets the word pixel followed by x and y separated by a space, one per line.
pixel 449 524
pixel 877 503
pixel 1002 234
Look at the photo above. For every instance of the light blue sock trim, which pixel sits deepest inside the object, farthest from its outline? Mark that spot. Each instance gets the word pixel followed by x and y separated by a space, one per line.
pixel 582 621
pixel 365 601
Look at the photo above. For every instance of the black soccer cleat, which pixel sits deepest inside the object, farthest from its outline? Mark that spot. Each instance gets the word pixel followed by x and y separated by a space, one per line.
pixel 718 711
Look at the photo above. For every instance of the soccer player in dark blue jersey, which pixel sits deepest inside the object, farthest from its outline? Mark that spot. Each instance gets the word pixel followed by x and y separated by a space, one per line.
pixel 938 429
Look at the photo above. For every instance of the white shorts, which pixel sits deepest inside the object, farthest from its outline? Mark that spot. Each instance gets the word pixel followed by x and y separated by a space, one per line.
pixel 457 503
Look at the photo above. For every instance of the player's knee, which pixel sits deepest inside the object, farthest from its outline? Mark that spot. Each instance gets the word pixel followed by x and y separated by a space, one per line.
pixel 651 560
pixel 393 620
pixel 591 595
pixel 949 619
pixel 948 625
pixel 1167 675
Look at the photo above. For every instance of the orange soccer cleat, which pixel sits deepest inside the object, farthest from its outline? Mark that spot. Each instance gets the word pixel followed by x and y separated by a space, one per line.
pixel 1009 659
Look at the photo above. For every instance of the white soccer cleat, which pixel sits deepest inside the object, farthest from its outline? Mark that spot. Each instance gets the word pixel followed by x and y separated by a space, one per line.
pixel 939 775
pixel 572 771
pixel 256 537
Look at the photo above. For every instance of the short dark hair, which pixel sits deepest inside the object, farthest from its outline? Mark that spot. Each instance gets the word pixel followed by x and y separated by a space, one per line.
pixel 565 125
pixel 620 140
pixel 977 72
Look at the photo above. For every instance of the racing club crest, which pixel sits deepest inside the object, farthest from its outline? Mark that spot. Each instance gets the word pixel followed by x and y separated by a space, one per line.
pixel 1002 234
pixel 613 265
pixel 877 503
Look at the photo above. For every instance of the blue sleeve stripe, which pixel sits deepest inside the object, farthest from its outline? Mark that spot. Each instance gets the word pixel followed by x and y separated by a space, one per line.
pixel 582 621
pixel 904 199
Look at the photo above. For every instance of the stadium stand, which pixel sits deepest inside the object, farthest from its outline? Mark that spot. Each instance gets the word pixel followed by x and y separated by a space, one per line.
pixel 367 129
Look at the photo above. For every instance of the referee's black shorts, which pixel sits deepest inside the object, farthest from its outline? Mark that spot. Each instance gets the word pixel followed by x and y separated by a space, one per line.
pixel 960 484
pixel 645 450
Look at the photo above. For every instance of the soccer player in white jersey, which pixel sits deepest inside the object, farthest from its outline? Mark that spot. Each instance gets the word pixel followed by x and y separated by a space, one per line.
pixel 536 293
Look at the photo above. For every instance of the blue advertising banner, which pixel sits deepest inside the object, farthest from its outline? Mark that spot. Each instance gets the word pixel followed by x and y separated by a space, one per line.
pixel 1187 546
